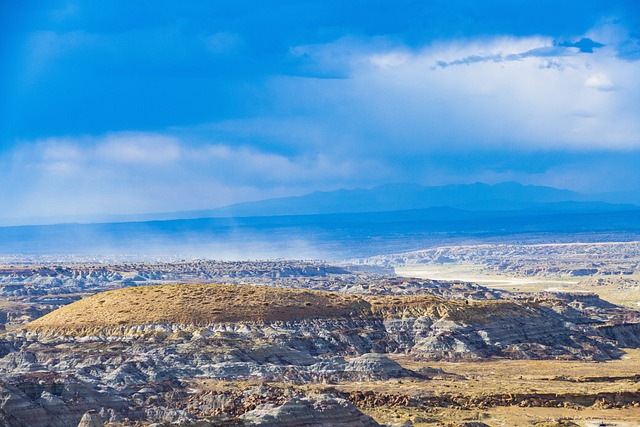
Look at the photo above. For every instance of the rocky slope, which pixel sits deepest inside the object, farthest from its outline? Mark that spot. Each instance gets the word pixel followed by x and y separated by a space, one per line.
pixel 320 322
pixel 28 291
pixel 527 260
pixel 125 353
pixel 323 410
pixel 128 354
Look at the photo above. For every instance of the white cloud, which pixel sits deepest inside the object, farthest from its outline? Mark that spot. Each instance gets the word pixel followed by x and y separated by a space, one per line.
pixel 521 93
pixel 149 172
pixel 390 59
pixel 600 82
pixel 390 117
pixel 138 148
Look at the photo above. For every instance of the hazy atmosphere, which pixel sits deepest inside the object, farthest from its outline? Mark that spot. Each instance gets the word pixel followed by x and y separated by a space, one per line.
pixel 136 107
pixel 319 213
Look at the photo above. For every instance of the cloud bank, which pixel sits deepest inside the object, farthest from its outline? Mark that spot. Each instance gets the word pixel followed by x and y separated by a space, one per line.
pixel 198 107
pixel 513 93
pixel 133 172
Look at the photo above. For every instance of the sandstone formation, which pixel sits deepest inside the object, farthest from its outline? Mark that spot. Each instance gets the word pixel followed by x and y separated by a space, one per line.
pixel 319 323
pixel 545 259
pixel 31 291
pixel 128 355
pixel 320 410
pixel 91 419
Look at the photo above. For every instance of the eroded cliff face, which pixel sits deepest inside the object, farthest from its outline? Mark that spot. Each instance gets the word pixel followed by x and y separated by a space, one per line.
pixel 517 331
pixel 33 290
pixel 136 370
pixel 623 333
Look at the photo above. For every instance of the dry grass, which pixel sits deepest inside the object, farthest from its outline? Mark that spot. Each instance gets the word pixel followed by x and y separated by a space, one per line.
pixel 508 416
pixel 190 304
pixel 529 376
pixel 619 289
pixel 398 306
pixel 499 377
pixel 198 304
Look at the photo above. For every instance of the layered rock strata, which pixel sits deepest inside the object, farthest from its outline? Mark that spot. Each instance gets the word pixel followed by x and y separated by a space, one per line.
pixel 125 354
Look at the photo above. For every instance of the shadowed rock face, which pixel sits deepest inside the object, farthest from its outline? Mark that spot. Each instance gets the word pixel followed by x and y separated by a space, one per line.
pixel 625 334
pixel 127 361
pixel 323 410
pixel 40 401
pixel 294 326
pixel 91 419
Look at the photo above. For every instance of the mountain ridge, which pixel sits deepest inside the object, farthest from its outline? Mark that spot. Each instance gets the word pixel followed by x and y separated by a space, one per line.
pixel 508 196
pixel 400 197
pixel 397 218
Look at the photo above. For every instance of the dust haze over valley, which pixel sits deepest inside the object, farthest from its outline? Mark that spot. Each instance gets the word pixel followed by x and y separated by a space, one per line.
pixel 398 320
pixel 271 213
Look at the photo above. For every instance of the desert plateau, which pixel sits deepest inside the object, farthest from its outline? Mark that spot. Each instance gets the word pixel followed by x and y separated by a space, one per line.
pixel 289 342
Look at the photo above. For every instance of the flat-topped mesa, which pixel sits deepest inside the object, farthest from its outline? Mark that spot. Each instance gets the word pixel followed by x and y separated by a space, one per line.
pixel 321 322
pixel 190 304
pixel 200 305
pixel 436 308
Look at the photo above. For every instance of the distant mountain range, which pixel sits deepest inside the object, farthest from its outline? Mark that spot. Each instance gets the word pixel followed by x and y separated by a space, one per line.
pixel 400 197
pixel 336 236
pixel 342 224
pixel 478 197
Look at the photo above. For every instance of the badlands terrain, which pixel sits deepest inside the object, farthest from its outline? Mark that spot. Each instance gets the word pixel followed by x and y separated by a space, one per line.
pixel 487 335
pixel 610 269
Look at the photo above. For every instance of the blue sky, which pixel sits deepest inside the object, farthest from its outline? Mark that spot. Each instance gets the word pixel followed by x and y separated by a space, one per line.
pixel 151 106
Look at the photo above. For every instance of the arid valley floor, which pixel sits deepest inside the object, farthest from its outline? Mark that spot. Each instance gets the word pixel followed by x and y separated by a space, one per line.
pixel 479 335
